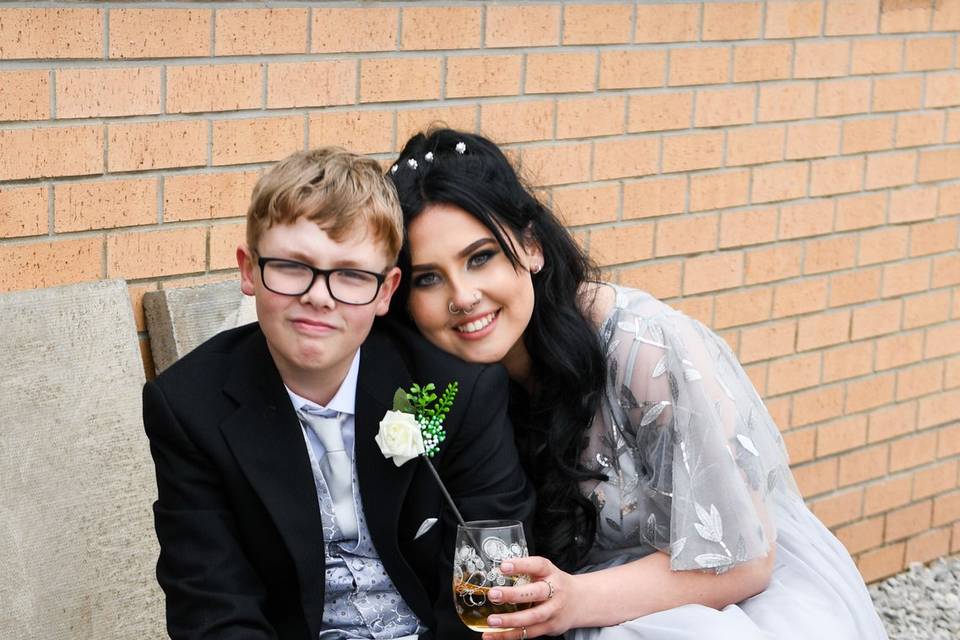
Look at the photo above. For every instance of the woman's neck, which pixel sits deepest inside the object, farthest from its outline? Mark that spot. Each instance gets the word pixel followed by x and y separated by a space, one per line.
pixel 519 366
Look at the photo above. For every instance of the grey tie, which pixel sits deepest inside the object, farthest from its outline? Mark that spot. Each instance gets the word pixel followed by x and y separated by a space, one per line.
pixel 336 468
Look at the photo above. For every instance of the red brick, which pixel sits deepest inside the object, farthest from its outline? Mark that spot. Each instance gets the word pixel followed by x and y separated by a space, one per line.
pixel 159 33
pixel 768 341
pixel 946 15
pixel 786 101
pixel 813 140
pixel 708 65
pixel 949 198
pixel 899 350
pixel 156 253
pixel 731 20
pixel 917 129
pixel 926 54
pixel 883 245
pixel 821 59
pixel 943 340
pixel 50 33
pixel 925 309
pixel 50 264
pixel 686 235
pixel 939 478
pixel 909 205
pixel 23 211
pixel 775 263
pixel 946 271
pixel 868 134
pixel 667 22
pixel 590 117
pixel 940 164
pixel 912 451
pixel 862 465
pixel 840 435
pixel 224 239
pixel 719 190
pixel 933 237
pixel 654 197
pixel 752 63
pixel 25 96
pixel 518 121
pixel 630 69
pixel 722 107
pixel 434 27
pixel 799 443
pixel 343 29
pixel 948 443
pixel 836 175
pixel 557 164
pixel 839 508
pixel 214 87
pixel 660 279
pixel 862 535
pixel 597 23
pixel 927 546
pixel 905 277
pixel 843 97
pixel 206 196
pixel 850 17
pixel 869 393
pixel 692 151
pixel 102 205
pixel 823 329
pixel 560 72
pixel 810 218
pixel 848 361
pixel 890 422
pixel 899 16
pixel 854 287
pixel 256 140
pixel 660 111
pixel 897 93
pixel 311 84
pixel 261 31
pixel 829 254
pixel 795 19
pixel 817 405
pixel 742 307
pixel 943 90
pixel 751 226
pixel 887 494
pixel 880 563
pixel 946 508
pixel 951 377
pixel 587 204
pixel 875 320
pixel 800 297
pixel 157 145
pixel 38 152
pixel 791 374
pixel 360 131
pixel 712 273
pixel 890 169
pixel 625 158
pixel 779 182
pixel 395 79
pixel 816 478
pixel 469 76
pixel 860 211
pixel 616 245
pixel 755 145
pixel 876 56
pixel 908 520
pixel 522 25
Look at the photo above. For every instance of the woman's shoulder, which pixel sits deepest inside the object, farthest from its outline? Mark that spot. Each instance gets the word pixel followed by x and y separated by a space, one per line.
pixel 600 301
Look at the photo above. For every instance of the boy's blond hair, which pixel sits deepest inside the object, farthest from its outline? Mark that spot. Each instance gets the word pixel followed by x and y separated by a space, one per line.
pixel 340 191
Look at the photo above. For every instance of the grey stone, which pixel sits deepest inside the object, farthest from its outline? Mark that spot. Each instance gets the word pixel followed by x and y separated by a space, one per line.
pixel 179 320
pixel 77 545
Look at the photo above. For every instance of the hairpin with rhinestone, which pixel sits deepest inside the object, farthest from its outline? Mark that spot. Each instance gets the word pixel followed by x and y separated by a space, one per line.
pixel 461 147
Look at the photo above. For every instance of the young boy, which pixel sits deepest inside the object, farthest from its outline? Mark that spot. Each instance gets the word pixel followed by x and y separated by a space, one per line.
pixel 278 515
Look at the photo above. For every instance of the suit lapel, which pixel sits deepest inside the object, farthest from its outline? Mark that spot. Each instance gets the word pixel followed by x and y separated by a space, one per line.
pixel 265 437
pixel 383 485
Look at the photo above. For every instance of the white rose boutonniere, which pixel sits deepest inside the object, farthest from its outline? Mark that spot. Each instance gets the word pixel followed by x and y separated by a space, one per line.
pixel 414 428
pixel 399 437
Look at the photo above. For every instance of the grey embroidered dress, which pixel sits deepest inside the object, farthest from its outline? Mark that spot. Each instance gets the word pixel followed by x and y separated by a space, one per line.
pixel 696 469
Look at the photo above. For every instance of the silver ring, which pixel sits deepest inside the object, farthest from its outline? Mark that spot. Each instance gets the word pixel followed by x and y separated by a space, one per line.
pixel 549 586
pixel 455 310
pixel 523 633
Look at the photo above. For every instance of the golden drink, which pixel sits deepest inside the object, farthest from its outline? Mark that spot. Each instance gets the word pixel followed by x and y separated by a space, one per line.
pixel 473 607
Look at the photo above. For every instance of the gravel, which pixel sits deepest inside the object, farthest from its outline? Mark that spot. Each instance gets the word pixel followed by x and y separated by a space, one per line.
pixel 922 603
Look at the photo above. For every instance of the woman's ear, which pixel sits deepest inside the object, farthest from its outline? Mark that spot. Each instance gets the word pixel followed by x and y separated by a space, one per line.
pixel 532 249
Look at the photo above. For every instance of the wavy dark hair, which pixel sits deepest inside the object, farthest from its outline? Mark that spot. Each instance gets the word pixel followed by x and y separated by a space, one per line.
pixel 450 167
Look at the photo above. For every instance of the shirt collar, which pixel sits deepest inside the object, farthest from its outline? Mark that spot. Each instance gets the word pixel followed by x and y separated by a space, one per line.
pixel 343 401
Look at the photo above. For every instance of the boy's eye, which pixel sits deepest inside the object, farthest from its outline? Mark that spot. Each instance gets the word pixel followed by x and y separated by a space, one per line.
pixel 480 258
pixel 425 280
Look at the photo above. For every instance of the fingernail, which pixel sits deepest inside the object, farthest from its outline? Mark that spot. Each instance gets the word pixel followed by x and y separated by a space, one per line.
pixel 495 595
pixel 494 621
pixel 506 567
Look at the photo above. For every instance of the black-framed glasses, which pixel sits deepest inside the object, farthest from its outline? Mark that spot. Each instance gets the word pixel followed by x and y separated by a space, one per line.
pixel 346 285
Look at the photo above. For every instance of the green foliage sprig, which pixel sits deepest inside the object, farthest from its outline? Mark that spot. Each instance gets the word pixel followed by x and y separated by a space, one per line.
pixel 429 411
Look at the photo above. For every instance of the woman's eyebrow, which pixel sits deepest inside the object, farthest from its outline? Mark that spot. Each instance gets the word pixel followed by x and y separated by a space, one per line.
pixel 463 253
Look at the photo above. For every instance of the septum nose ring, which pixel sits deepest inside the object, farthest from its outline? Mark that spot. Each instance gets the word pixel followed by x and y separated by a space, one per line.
pixel 455 310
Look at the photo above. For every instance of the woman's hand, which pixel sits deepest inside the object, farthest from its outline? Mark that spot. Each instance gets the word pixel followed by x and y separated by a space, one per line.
pixel 552 593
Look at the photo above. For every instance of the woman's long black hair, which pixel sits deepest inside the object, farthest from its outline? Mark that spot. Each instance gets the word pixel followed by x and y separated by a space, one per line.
pixel 445 166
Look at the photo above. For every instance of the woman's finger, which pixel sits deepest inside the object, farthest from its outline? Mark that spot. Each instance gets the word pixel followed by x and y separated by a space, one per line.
pixel 526 618
pixel 517 634
pixel 532 592
pixel 530 565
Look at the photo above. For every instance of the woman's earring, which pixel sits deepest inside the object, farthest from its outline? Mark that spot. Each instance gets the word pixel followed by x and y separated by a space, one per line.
pixel 535 269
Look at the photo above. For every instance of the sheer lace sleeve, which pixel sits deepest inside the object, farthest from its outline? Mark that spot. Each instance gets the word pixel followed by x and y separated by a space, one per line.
pixel 693 457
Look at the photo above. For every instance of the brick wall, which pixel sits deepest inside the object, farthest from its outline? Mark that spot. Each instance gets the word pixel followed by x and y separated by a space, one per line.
pixel 786 171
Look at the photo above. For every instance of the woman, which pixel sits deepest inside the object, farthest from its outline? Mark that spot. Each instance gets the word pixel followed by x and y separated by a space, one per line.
pixel 666 506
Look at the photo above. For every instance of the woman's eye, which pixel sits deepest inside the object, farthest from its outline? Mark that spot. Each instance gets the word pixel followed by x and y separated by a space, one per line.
pixel 480 258
pixel 425 280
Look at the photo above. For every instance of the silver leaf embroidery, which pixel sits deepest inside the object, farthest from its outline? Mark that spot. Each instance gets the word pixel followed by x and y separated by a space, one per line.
pixel 653 413
pixel 676 547
pixel 747 444
pixel 712 560
pixel 660 368
pixel 710 526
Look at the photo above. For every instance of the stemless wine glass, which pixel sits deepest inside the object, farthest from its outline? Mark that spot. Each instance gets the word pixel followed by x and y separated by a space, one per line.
pixel 481 546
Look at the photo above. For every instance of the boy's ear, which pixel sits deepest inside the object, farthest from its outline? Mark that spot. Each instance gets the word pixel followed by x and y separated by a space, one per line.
pixel 387 289
pixel 247 267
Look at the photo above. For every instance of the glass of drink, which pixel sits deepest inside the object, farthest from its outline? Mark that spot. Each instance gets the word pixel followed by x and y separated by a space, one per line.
pixel 481 546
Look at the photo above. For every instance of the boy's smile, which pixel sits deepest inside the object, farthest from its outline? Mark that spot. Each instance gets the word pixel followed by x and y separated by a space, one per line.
pixel 313 337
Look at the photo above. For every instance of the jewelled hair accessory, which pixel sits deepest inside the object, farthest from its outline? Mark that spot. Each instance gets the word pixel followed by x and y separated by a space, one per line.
pixel 460 148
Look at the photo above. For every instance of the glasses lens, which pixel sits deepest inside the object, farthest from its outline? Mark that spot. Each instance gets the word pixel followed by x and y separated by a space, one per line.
pixel 353 287
pixel 288 278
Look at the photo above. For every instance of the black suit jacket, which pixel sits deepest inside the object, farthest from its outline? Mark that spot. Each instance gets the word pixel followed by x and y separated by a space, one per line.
pixel 237 516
